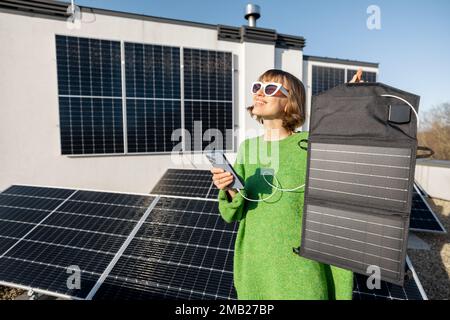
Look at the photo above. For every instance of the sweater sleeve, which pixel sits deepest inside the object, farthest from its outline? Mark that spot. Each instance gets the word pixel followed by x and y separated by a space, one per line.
pixel 233 210
pixel 340 283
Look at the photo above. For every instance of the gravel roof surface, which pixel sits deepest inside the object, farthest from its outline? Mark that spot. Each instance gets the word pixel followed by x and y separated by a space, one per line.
pixel 433 266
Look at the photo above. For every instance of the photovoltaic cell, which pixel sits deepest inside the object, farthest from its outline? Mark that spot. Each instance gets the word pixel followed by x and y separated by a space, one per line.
pixel 90 95
pixel 208 103
pixel 186 183
pixel 152 75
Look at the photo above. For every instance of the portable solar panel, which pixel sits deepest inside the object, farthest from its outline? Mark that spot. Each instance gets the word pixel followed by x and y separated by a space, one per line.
pixel 360 176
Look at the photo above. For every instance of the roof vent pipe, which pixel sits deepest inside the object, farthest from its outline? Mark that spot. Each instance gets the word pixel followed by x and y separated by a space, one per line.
pixel 252 13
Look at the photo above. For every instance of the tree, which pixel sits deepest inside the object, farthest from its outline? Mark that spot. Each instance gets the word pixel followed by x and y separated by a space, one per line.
pixel 435 131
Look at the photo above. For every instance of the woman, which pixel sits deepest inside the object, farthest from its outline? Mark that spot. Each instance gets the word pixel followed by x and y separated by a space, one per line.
pixel 269 210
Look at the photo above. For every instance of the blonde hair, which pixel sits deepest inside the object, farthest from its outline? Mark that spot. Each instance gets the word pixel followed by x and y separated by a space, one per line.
pixel 295 107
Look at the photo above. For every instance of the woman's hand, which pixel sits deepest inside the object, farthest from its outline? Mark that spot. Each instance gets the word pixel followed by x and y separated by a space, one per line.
pixel 357 77
pixel 222 180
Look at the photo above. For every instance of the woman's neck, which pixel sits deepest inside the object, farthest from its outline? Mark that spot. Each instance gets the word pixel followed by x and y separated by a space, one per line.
pixel 274 132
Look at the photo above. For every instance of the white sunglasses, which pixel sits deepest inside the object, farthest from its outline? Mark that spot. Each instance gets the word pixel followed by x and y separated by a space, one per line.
pixel 269 88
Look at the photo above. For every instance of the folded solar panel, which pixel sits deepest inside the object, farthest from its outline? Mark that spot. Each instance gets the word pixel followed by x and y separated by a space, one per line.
pixel 360 176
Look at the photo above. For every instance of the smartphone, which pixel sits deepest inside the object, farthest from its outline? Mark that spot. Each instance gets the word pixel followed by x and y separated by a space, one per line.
pixel 218 160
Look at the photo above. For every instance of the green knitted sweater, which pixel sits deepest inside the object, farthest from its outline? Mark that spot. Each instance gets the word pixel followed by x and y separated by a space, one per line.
pixel 265 266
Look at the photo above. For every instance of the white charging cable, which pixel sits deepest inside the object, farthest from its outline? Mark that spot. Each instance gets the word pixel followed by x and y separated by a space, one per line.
pixel 288 190
pixel 279 189
pixel 254 200
pixel 409 104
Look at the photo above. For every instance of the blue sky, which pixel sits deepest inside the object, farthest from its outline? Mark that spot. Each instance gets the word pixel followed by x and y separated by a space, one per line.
pixel 412 46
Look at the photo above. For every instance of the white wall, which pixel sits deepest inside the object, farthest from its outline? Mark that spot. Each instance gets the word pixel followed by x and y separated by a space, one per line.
pixel 434 178
pixel 29 132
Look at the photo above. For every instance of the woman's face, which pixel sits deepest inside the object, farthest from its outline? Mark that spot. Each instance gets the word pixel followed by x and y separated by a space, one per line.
pixel 269 107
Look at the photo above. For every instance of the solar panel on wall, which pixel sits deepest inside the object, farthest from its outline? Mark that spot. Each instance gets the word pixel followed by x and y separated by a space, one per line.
pixel 90 95
pixel 325 78
pixel 162 89
pixel 153 98
pixel 208 91
pixel 360 176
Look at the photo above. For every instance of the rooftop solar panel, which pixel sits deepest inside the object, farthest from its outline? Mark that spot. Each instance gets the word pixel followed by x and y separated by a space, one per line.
pixel 411 290
pixel 66 228
pixel 187 183
pixel 182 249
pixel 423 219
